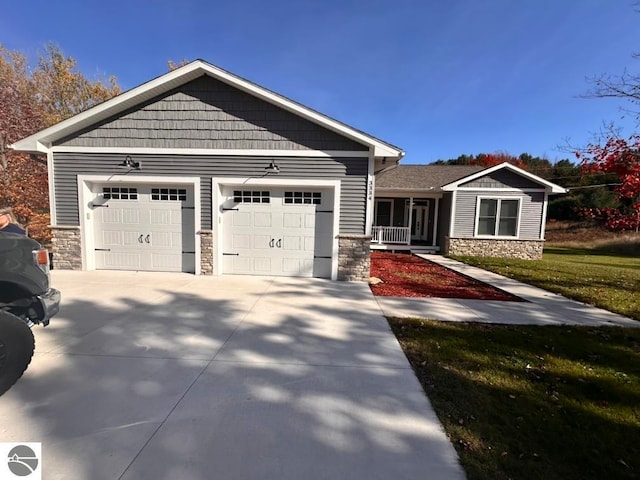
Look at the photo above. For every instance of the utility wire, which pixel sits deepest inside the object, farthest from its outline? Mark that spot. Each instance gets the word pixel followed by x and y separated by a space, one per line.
pixel 595 186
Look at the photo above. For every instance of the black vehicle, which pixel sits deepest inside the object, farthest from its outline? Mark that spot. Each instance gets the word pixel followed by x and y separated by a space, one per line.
pixel 26 299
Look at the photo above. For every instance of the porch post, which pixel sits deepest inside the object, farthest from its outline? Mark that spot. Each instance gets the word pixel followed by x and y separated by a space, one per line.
pixel 436 216
pixel 410 218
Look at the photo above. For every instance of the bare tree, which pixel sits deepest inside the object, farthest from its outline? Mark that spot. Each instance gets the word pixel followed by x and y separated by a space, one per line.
pixel 625 86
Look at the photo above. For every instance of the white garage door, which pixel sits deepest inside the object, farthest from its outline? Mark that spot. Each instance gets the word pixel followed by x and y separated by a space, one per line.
pixel 278 231
pixel 144 227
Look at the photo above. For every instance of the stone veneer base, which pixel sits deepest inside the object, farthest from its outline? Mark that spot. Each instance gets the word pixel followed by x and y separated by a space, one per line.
pixel 481 247
pixel 206 252
pixel 66 248
pixel 354 258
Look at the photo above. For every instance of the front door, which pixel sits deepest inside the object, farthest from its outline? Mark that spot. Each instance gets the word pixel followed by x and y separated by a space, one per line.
pixel 419 222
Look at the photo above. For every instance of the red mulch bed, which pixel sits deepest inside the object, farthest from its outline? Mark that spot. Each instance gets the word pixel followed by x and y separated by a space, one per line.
pixel 406 275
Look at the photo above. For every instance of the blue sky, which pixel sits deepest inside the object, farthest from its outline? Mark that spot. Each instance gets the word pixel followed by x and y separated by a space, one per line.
pixel 437 78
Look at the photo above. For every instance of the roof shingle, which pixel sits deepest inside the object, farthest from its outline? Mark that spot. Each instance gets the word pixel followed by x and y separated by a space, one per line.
pixel 418 177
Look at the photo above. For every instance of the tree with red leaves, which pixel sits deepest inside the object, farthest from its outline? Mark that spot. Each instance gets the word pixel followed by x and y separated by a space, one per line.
pixel 621 158
pixel 491 159
pixel 31 100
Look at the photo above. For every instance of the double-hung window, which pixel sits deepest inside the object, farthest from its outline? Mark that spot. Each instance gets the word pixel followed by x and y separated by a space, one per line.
pixel 498 217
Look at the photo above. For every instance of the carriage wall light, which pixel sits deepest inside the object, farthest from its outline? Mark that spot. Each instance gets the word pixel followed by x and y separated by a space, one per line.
pixel 129 162
pixel 272 167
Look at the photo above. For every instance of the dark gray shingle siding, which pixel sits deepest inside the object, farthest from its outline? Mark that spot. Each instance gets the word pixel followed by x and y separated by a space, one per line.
pixel 207 113
pixel 502 179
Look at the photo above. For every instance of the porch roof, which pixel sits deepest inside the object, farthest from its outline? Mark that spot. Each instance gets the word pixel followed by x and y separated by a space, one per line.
pixel 423 177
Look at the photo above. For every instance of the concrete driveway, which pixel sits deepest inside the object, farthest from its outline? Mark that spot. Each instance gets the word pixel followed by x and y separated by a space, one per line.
pixel 172 376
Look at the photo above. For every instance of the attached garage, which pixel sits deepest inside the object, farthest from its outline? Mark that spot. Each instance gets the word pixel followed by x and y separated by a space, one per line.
pixel 202 171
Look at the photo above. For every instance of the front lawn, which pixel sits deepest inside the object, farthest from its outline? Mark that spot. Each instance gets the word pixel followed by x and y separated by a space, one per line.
pixel 529 402
pixel 606 280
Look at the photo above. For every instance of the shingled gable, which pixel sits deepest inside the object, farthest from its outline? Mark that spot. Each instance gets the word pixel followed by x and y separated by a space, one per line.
pixel 43 140
pixel 551 187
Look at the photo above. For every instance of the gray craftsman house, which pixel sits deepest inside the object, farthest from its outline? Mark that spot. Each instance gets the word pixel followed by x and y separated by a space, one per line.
pixel 202 171
pixel 461 210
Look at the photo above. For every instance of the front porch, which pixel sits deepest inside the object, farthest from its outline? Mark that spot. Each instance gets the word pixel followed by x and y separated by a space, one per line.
pixel 406 224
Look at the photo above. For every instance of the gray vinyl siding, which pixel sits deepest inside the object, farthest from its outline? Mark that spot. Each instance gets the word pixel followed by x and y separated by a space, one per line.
pixel 530 216
pixel 502 179
pixel 431 219
pixel 351 171
pixel 444 217
pixel 209 114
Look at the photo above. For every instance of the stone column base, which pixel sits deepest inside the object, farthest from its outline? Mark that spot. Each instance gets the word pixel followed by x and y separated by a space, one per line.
pixel 354 255
pixel 501 248
pixel 66 249
pixel 206 252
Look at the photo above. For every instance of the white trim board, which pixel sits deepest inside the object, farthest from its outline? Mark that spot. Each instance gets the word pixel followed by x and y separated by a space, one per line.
pixel 53 218
pixel 216 152
pixel 371 189
pixel 217 199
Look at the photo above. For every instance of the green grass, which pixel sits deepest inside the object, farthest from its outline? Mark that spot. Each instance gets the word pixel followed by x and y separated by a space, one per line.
pixel 609 281
pixel 529 402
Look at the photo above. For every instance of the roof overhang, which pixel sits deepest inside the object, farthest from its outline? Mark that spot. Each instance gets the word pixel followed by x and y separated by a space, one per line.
pixel 549 186
pixel 41 141
pixel 408 192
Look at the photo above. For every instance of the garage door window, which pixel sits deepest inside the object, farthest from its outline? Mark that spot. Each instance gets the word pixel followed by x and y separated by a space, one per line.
pixel 119 193
pixel 251 196
pixel 176 194
pixel 302 198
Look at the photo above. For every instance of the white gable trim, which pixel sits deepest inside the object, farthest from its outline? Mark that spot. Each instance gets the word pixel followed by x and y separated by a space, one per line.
pixel 551 187
pixel 43 139
pixel 216 152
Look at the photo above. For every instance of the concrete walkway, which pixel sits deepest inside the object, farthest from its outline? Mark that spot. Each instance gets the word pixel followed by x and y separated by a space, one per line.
pixel 173 376
pixel 541 307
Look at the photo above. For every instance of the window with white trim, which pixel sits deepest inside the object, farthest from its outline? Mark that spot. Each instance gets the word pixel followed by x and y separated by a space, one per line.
pixel 498 217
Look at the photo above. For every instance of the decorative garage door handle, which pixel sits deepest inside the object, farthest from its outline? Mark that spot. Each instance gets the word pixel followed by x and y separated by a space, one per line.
pixel 146 239
pixel 271 242
pixel 279 244
pixel 140 238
